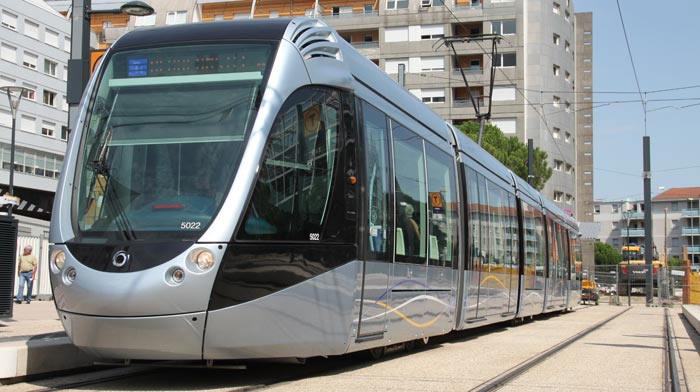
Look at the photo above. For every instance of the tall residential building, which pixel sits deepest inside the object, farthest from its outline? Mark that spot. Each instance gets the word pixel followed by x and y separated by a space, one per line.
pixel 543 55
pixel 34 51
pixel 675 223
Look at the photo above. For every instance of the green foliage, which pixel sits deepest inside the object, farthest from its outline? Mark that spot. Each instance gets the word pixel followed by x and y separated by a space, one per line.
pixel 605 254
pixel 675 262
pixel 510 151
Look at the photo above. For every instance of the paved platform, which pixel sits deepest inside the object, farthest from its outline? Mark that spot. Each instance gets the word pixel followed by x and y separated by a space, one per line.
pixel 33 341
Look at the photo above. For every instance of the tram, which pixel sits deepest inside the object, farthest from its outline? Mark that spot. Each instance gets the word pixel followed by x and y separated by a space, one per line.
pixel 258 189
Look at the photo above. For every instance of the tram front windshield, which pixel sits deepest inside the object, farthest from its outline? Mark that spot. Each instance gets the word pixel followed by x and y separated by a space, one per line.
pixel 164 137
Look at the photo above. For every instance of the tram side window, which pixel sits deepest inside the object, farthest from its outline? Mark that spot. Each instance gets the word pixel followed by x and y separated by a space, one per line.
pixel 485 223
pixel 474 209
pixel 411 194
pixel 512 233
pixel 378 181
pixel 497 225
pixel 530 238
pixel 539 243
pixel 442 211
pixel 565 259
pixel 292 196
pixel 553 249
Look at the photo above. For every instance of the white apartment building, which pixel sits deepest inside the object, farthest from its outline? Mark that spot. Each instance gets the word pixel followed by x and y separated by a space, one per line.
pixel 675 223
pixel 34 51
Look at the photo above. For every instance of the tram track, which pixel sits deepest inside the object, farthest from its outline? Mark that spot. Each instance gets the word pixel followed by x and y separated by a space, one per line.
pixel 523 367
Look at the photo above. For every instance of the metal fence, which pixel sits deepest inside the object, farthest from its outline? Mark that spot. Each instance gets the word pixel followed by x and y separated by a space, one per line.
pixel 41 289
pixel 671 286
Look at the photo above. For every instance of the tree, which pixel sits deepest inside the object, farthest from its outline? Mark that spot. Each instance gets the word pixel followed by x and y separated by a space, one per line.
pixel 605 254
pixel 510 151
pixel 675 262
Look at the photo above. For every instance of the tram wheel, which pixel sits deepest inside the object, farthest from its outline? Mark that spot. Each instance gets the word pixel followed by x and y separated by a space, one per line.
pixel 376 352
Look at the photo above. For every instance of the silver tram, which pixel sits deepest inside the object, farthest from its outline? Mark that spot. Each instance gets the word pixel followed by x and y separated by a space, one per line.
pixel 258 189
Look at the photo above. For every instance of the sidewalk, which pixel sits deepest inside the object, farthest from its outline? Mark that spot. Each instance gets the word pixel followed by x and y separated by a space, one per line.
pixel 33 342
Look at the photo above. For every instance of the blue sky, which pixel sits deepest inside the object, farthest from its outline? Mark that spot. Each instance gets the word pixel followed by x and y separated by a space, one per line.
pixel 666 55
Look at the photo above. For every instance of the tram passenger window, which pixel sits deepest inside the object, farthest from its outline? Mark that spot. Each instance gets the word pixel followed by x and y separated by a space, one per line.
pixel 378 181
pixel 411 194
pixel 530 243
pixel 442 211
pixel 539 243
pixel 474 262
pixel 292 197
pixel 512 235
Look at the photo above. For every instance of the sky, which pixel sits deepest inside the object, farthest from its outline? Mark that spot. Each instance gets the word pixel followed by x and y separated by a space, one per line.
pixel 666 56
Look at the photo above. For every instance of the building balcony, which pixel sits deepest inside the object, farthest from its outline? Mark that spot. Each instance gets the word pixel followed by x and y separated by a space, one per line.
pixel 633 215
pixel 631 233
pixel 687 213
pixel 693 250
pixel 690 231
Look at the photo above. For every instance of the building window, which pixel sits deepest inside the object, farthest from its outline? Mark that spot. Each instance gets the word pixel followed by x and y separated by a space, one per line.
pixel 396 4
pixel 555 7
pixel 569 199
pixel 567 106
pixel 675 241
pixel 8 53
pixel 149 20
pixel 674 206
pixel 28 124
pixel 567 47
pixel 49 98
pixel 5 118
pixel 50 67
pixel 432 64
pixel 29 93
pixel 432 32
pixel 596 208
pixel 567 76
pixel 504 60
pixel 51 38
pixel 64 132
pixel 555 69
pixel 29 60
pixel 558 196
pixel 555 39
pixel 507 125
pixel 556 101
pixel 31 29
pixel 503 27
pixel 503 93
pixel 176 17
pixel 9 20
pixel 47 128
pixel 569 169
pixel 567 137
pixel 615 206
pixel 396 34
pixel 66 44
pixel 556 132
pixel 558 165
pixel 432 95
pixel 368 8
pixel 391 66
pixel 567 16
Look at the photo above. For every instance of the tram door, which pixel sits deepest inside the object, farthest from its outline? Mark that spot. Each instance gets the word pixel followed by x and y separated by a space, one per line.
pixel 379 225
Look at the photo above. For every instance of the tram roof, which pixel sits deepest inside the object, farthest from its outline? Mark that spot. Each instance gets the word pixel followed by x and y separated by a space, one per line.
pixel 255 29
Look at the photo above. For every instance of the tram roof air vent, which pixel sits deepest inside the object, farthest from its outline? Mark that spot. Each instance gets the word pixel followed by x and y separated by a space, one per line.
pixel 314 39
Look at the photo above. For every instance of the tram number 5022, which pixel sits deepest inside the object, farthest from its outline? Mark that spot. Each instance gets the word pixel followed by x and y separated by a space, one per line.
pixel 314 237
pixel 190 225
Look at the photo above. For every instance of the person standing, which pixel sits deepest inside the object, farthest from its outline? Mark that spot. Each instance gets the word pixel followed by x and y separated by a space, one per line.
pixel 26 271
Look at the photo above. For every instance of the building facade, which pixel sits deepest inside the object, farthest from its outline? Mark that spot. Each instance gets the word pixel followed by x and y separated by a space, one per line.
pixel 35 46
pixel 675 223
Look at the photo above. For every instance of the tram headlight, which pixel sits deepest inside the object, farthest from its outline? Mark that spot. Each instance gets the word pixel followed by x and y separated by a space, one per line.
pixel 58 259
pixel 203 258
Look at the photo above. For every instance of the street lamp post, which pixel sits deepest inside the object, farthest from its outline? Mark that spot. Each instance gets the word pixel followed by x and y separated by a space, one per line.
pixel 14 95
pixel 79 63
